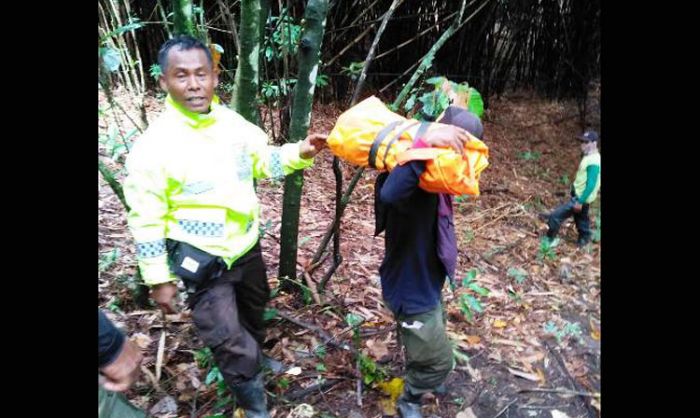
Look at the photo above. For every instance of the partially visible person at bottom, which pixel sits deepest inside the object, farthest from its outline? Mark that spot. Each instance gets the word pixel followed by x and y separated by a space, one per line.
pixel 119 363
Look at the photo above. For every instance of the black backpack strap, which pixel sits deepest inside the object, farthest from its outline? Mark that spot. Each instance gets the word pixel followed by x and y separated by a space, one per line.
pixel 397 136
pixel 378 140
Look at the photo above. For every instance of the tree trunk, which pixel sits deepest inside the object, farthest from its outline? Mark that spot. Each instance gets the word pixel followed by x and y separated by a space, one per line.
pixel 245 93
pixel 308 59
pixel 340 203
pixel 182 13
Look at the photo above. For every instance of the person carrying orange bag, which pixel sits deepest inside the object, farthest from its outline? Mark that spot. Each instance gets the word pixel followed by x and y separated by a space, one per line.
pixel 370 135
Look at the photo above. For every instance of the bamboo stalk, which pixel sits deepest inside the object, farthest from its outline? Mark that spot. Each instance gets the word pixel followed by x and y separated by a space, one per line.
pixel 232 23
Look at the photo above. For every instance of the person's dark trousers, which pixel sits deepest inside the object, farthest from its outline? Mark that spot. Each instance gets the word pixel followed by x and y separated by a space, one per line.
pixel 563 212
pixel 228 315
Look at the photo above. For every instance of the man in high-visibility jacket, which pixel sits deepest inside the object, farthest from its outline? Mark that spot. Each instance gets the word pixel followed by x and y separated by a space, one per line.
pixel 584 191
pixel 194 213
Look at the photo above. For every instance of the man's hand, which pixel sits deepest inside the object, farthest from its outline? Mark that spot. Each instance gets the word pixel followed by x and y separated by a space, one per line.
pixel 312 145
pixel 164 294
pixel 448 136
pixel 577 207
pixel 124 370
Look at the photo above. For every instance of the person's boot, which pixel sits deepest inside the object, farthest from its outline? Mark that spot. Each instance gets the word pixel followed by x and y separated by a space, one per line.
pixel 250 396
pixel 272 365
pixel 582 242
pixel 409 405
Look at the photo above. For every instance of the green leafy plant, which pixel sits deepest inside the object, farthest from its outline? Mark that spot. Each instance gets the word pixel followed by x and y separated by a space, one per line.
pixel 283 383
pixel 433 99
pixel 518 274
pixel 115 143
pixel 285 37
pixel 155 71
pixel 108 259
pixel 530 155
pixel 320 351
pixel 469 236
pixel 205 359
pixel 371 373
pixel 468 300
pixel 353 70
pixel 462 198
pixel 322 80
pixel 546 252
pixel 570 329
pixel 269 314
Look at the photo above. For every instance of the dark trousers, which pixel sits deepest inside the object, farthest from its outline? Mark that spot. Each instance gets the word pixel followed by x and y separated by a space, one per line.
pixel 228 315
pixel 565 211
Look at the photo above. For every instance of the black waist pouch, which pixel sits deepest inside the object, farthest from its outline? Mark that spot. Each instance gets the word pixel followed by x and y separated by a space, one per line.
pixel 192 265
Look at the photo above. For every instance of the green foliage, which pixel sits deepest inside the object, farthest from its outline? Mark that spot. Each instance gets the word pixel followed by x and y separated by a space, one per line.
pixel 468 301
pixel 263 228
pixel 518 274
pixel 108 259
pixel 353 70
pixel 320 351
pixel 371 373
pixel 203 357
pixel 284 38
pixel 530 155
pixel 546 251
pixel 462 198
pixel 133 24
pixel 115 142
pixel 570 329
pixel 269 314
pixel 283 383
pixel 155 71
pixel 432 100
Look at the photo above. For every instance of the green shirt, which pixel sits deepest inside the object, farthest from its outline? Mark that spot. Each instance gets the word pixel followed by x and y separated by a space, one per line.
pixel 190 178
pixel 587 181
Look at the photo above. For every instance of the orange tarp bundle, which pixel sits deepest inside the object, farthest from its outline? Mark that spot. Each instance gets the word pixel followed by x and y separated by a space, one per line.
pixel 370 135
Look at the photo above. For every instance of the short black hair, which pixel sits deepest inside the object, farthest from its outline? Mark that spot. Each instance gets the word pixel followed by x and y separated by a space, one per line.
pixel 183 42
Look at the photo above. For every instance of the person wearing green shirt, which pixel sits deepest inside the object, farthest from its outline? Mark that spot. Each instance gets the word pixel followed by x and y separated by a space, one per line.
pixel 194 213
pixel 584 191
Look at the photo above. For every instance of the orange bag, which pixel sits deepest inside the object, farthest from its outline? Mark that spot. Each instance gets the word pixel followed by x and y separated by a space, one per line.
pixel 370 135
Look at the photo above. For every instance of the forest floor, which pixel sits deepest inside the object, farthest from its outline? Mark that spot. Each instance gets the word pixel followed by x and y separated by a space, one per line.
pixel 532 351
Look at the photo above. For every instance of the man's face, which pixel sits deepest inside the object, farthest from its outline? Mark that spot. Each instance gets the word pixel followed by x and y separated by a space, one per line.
pixel 588 147
pixel 190 79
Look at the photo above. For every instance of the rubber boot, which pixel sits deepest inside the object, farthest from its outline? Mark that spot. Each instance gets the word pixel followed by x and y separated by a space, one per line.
pixel 250 396
pixel 409 405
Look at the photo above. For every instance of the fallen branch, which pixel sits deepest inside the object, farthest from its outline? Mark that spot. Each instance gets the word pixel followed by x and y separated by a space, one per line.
pixel 312 288
pixel 307 391
pixel 560 361
pixel 329 340
pixel 562 391
pixel 505 408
